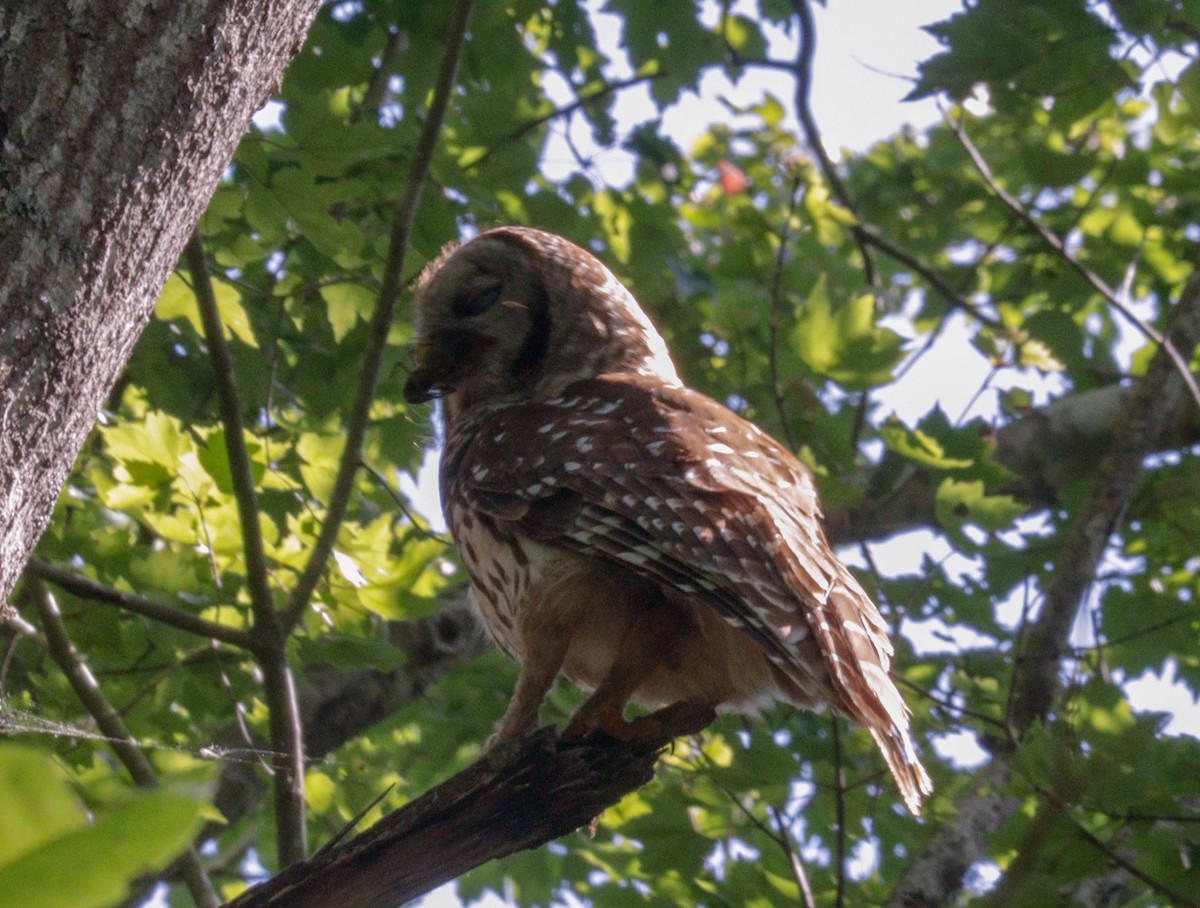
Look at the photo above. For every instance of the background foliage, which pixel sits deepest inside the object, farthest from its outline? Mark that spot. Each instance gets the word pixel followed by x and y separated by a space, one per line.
pixel 798 291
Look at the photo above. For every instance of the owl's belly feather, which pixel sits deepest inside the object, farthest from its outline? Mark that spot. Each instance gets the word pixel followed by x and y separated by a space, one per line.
pixel 530 594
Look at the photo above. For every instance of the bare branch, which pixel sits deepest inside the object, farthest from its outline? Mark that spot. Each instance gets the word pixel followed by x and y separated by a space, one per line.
pixel 1174 898
pixel 792 854
pixel 802 69
pixel 241 473
pixel 777 315
pixel 953 298
pixel 270 635
pixel 381 322
pixel 839 795
pixel 396 44
pixel 111 725
pixel 95 591
pixel 865 235
pixel 1037 684
pixel 338 704
pixel 1183 26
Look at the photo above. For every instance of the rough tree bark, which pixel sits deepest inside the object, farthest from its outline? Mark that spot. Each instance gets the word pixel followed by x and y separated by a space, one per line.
pixel 116 119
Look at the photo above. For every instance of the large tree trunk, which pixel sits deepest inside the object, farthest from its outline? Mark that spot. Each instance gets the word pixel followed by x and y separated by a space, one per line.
pixel 116 119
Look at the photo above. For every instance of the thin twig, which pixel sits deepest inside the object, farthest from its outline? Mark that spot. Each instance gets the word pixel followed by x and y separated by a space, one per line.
pixel 565 111
pixel 792 856
pixel 266 621
pixel 802 69
pixel 1037 685
pixel 1055 242
pixel 782 838
pixel 935 873
pixel 946 291
pixel 397 43
pixel 945 704
pixel 403 506
pixel 1188 28
pixel 865 234
pixel 1173 897
pixel 111 725
pixel 389 297
pixel 777 314
pixel 839 794
pixel 1188 615
pixel 1056 800
pixel 95 591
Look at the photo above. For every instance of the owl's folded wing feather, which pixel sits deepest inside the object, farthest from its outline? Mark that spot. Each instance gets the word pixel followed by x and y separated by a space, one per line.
pixel 678 489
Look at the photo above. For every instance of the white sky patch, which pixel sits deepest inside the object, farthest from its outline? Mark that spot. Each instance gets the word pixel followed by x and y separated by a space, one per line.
pixel 861 75
pixel 269 117
pixel 864 859
pixel 350 569
pixel 961 748
pixel 933 636
pixel 1162 693
pixel 446 896
pixel 423 491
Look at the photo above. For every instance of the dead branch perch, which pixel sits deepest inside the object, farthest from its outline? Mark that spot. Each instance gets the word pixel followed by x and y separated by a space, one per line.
pixel 518 797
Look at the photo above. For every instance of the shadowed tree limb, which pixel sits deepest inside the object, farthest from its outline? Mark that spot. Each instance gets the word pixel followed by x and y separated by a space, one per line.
pixel 935 874
pixel 1038 682
pixel 1055 242
pixel 269 635
pixel 86 588
pixel 1049 449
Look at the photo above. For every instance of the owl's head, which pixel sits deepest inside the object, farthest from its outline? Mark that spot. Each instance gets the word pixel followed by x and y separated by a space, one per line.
pixel 519 314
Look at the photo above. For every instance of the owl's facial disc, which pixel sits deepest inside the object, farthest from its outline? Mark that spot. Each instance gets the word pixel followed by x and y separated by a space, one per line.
pixel 473 313
pixel 442 361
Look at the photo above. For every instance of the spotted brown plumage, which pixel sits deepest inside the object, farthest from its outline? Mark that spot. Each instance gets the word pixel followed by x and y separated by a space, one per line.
pixel 621 528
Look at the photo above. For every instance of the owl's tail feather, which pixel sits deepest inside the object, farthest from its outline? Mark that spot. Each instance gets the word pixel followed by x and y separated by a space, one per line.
pixel 858 654
pixel 911 778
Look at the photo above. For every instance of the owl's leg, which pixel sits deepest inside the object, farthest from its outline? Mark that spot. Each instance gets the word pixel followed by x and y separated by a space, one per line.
pixel 646 644
pixel 540 665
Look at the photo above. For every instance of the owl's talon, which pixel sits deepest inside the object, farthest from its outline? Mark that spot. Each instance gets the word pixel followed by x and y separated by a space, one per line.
pixel 498 753
pixel 587 722
pixel 684 718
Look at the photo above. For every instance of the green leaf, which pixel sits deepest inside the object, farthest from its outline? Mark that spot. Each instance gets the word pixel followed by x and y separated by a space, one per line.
pixel 347 302
pixel 159 441
pixel 1036 354
pixel 917 446
pixel 178 300
pixel 69 860
pixel 38 804
pixel 845 344
pixel 960 503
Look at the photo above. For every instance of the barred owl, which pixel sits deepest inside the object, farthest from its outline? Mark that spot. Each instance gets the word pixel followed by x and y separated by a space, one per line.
pixel 622 529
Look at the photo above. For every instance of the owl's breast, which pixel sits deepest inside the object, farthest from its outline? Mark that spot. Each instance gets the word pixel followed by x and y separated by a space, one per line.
pixel 502 569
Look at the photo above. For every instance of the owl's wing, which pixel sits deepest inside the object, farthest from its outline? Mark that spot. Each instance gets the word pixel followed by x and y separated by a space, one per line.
pixel 677 488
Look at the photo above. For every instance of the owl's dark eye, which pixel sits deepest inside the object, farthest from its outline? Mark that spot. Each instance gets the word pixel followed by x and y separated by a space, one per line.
pixel 474 305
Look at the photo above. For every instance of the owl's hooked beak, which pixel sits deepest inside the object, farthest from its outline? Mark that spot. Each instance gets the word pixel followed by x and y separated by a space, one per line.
pixel 440 362
pixel 421 387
